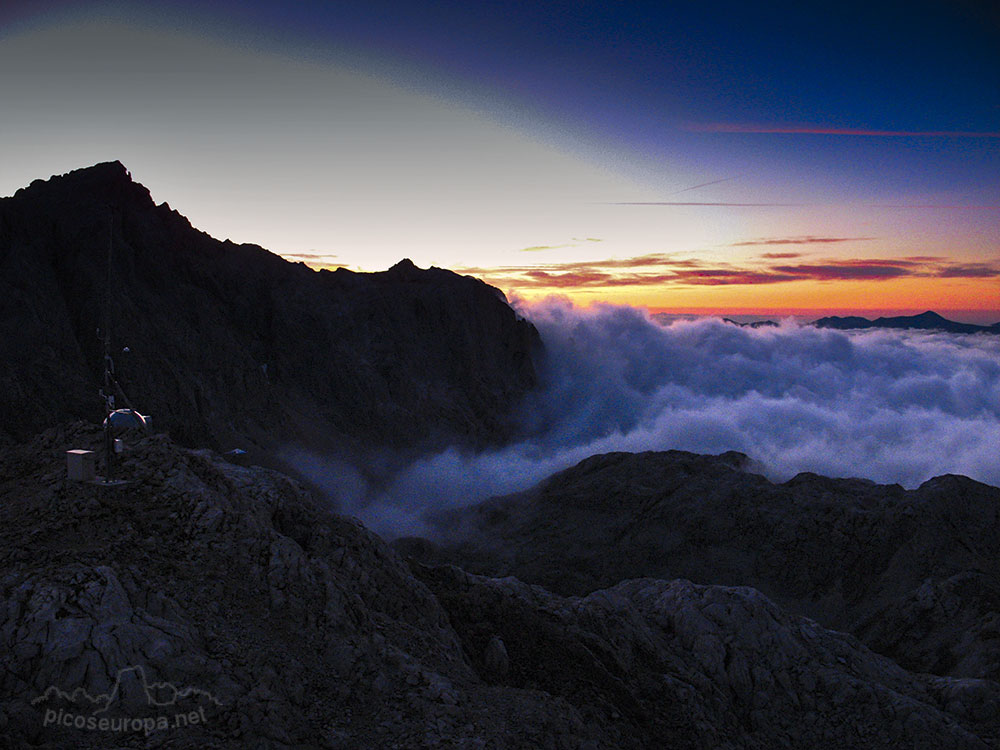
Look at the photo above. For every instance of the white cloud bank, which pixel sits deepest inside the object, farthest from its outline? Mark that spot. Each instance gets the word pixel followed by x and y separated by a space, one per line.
pixel 892 406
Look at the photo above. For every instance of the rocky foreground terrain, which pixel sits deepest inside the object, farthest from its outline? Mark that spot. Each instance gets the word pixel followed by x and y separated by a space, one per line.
pixel 230 345
pixel 915 575
pixel 284 625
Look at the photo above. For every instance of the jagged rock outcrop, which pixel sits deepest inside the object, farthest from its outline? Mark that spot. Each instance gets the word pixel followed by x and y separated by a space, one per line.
pixel 752 324
pixel 300 628
pixel 227 592
pixel 672 664
pixel 230 344
pixel 914 574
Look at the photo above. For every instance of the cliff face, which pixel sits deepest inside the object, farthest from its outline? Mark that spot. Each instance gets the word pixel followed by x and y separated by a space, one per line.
pixel 230 342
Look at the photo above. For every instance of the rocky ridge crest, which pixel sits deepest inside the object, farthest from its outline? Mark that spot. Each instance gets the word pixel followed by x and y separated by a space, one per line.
pixel 913 574
pixel 231 345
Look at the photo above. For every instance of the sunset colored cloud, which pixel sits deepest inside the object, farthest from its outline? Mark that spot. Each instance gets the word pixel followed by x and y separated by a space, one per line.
pixel 798 241
pixel 309 256
pixel 969 271
pixel 845 271
pixel 660 269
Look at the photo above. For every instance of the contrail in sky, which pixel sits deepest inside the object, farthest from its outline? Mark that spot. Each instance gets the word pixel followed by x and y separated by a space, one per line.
pixel 704 184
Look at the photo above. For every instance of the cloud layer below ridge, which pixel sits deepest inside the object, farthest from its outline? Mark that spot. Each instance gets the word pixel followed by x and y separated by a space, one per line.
pixel 891 406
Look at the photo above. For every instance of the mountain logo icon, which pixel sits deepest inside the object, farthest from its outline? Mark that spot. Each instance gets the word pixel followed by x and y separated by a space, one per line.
pixel 131 690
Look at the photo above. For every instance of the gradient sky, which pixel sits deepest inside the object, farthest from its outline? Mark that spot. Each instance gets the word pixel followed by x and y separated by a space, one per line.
pixel 675 155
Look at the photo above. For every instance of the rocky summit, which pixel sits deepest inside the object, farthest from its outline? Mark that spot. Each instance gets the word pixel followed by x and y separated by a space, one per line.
pixel 230 345
pixel 230 596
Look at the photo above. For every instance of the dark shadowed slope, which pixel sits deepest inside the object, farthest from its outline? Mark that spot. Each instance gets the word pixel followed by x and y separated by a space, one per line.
pixel 230 342
pixel 914 574
pixel 303 630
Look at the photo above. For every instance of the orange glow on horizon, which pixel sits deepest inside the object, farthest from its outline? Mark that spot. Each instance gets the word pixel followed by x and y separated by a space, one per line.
pixel 977 297
pixel 967 298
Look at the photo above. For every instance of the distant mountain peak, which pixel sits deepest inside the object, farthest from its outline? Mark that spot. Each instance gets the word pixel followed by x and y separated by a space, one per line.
pixel 928 320
pixel 924 317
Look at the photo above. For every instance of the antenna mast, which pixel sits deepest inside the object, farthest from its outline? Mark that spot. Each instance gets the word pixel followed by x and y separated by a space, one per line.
pixel 108 392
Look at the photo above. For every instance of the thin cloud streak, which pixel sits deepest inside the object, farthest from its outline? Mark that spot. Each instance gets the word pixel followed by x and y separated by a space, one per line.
pixel 949 206
pixel 704 184
pixel 807 240
pixel 576 243
pixel 309 256
pixel 706 203
pixel 904 206
pixel 820 130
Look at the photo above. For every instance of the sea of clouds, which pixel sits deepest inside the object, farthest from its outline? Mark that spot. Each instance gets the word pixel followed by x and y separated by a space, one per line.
pixel 891 406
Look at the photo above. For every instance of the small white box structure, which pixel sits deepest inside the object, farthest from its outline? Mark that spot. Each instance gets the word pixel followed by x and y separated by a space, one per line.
pixel 81 465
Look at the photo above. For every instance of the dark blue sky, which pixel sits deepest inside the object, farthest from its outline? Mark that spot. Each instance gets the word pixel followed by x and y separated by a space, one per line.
pixel 899 66
pixel 639 71
pixel 896 66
